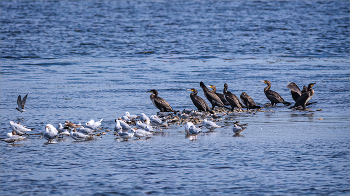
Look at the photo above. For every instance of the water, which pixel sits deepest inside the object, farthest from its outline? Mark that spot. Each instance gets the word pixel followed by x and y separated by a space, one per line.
pixel 96 59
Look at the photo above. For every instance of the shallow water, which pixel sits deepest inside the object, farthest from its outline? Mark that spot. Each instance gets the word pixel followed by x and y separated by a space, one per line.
pixel 96 59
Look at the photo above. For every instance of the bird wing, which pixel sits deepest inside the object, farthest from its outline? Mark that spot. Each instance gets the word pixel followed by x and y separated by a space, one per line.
pixel 273 96
pixel 233 100
pixel 222 98
pixel 294 87
pixel 214 99
pixel 200 103
pixel 19 102
pixel 161 103
pixel 24 101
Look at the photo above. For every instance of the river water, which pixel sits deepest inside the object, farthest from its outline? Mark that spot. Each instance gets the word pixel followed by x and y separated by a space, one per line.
pixel 82 60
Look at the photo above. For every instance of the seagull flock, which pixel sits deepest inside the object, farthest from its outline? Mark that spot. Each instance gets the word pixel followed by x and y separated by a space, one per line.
pixel 141 126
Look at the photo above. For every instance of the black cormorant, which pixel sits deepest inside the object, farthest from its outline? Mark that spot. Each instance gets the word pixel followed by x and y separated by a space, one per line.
pixel 232 99
pixel 305 97
pixel 211 96
pixel 272 95
pixel 159 102
pixel 220 95
pixel 248 101
pixel 198 101
pixel 294 90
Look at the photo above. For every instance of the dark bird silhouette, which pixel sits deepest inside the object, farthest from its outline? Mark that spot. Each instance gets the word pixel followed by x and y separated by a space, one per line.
pixel 294 90
pixel 248 101
pixel 211 96
pixel 220 95
pixel 159 102
pixel 198 101
pixel 272 95
pixel 305 97
pixel 232 99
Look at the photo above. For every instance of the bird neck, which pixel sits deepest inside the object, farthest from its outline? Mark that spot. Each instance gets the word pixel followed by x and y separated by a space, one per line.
pixel 268 87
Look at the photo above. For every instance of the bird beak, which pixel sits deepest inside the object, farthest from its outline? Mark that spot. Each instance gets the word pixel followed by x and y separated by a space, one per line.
pixel 148 91
pixel 263 81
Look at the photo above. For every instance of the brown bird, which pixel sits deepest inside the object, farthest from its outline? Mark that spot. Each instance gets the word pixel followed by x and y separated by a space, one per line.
pixel 211 96
pixel 220 95
pixel 232 99
pixel 272 95
pixel 159 102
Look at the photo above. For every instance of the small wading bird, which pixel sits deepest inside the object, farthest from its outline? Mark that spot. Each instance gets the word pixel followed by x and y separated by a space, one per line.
pixel 211 96
pixel 305 97
pixel 272 95
pixel 21 103
pixel 210 124
pixel 237 129
pixel 159 102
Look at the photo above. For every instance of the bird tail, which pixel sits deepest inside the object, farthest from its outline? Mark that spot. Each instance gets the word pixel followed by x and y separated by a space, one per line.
pixel 286 103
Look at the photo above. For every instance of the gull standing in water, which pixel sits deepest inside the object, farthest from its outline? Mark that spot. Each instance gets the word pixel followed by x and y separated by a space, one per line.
pixel 187 127
pixel 86 130
pixel 144 126
pixel 78 136
pixel 141 133
pixel 50 133
pixel 194 130
pixel 93 124
pixel 62 131
pixel 18 128
pixel 130 117
pixel 13 137
pixel 124 125
pixel 210 125
pixel 237 129
pixel 21 103
pixel 144 117
pixel 127 135
pixel 157 121
pixel 117 126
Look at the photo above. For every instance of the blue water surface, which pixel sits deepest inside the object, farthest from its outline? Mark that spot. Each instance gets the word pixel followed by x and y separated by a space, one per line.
pixel 82 60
